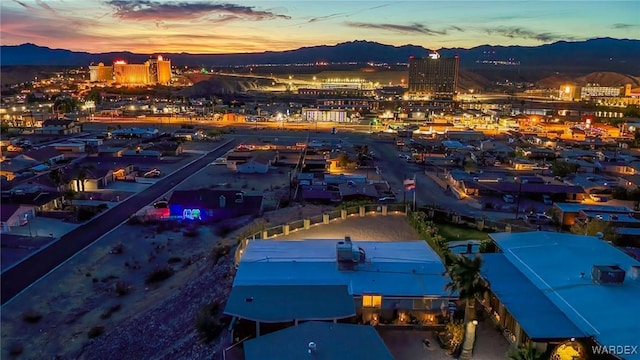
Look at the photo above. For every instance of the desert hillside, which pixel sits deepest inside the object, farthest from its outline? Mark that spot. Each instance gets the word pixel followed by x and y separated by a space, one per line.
pixel 602 78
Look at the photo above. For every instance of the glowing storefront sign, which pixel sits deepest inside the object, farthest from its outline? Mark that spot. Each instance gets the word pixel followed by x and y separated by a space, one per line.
pixel 191 214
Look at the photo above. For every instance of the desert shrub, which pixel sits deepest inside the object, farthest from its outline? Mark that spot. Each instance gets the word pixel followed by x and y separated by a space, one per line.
pixel 95 332
pixel 223 230
pixel 209 322
pixel 190 231
pixel 218 252
pixel 31 316
pixel 134 220
pixel 112 309
pixel 16 349
pixel 173 260
pixel 109 278
pixel 117 250
pixel 159 274
pixel 121 288
pixel 84 214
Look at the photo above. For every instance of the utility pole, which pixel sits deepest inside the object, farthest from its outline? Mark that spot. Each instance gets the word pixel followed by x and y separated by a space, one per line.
pixel 519 197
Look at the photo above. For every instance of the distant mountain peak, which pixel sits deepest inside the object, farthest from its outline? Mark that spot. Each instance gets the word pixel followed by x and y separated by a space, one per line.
pixel 602 54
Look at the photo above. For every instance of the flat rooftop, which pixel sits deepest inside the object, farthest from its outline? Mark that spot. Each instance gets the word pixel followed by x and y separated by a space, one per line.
pixel 559 265
pixel 404 268
pixel 332 341
pixel 577 207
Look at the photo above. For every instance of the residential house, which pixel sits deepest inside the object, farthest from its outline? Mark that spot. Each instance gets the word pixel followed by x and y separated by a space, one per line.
pixel 48 155
pixel 189 134
pixel 258 161
pixel 18 166
pixel 144 153
pixel 568 212
pixel 71 146
pixel 14 215
pixel 144 133
pixel 336 180
pixel 384 280
pixel 120 168
pixel 213 204
pixel 59 127
pixel 319 193
pixel 358 191
pixel 562 292
pixel 38 191
pixel 168 148
pixel 318 340
pixel 238 157
pixel 95 177
pixel 112 151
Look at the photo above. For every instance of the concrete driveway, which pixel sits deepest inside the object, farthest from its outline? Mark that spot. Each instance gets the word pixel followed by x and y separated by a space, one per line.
pixel 407 344
pixel 42 226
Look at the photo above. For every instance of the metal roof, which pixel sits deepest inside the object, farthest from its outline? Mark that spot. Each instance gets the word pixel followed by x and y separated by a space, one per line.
pixel 332 342
pixel 535 313
pixel 560 264
pixel 577 207
pixel 407 268
pixel 265 303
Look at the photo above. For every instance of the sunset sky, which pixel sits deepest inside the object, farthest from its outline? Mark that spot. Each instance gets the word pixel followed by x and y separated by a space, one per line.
pixel 193 26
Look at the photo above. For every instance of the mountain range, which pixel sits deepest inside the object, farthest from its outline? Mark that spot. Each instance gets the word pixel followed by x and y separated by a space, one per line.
pixel 602 54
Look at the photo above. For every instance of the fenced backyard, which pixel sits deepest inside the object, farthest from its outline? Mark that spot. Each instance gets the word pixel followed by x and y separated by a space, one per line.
pixel 448 225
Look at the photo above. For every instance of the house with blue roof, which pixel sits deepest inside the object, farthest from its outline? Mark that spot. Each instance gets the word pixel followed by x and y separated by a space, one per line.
pixel 287 282
pixel 568 213
pixel 564 292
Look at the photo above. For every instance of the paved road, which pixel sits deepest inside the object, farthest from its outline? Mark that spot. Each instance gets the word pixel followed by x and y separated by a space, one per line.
pixel 395 169
pixel 22 275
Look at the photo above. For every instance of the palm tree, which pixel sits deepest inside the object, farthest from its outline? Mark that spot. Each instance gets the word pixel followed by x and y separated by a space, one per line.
pixel 56 176
pixel 466 281
pixel 70 195
pixel 81 178
pixel 528 352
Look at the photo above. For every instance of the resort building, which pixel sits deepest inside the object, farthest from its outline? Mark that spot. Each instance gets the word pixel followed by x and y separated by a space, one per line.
pixel 151 72
pixel 100 73
pixel 433 76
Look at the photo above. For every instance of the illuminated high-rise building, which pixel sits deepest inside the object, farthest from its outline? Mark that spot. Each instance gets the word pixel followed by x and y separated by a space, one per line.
pixel 100 73
pixel 131 74
pixel 160 70
pixel 153 71
pixel 433 76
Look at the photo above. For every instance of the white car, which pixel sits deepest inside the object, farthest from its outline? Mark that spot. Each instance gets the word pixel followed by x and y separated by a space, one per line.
pixel 219 161
pixel 508 198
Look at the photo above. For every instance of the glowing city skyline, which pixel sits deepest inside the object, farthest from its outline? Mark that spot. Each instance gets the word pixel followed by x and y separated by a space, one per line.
pixel 253 26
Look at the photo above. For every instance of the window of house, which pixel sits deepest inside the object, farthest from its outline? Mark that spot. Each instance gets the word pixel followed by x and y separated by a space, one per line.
pixel 422 304
pixel 371 301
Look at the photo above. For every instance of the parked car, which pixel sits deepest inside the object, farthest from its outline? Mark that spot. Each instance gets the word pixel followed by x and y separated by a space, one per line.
pixel 546 199
pixel 161 204
pixel 155 173
pixel 508 198
pixel 539 218
pixel 219 161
